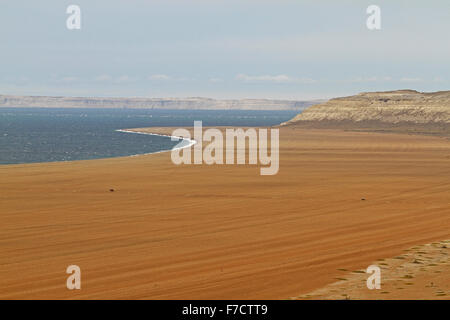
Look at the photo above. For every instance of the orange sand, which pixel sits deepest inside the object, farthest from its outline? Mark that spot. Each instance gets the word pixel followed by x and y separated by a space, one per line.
pixel 198 231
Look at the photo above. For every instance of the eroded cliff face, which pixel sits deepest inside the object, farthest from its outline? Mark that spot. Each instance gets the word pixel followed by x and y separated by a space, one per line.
pixel 152 103
pixel 403 110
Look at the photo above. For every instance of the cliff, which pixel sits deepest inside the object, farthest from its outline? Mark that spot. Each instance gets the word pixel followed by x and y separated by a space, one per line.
pixel 394 111
pixel 152 103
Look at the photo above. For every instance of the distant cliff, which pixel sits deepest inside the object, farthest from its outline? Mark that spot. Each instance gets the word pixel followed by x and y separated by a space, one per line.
pixel 401 111
pixel 153 103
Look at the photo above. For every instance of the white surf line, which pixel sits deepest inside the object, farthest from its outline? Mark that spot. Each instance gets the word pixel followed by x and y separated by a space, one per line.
pixel 191 141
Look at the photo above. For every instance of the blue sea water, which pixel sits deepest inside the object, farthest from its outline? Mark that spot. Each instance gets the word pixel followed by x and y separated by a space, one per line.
pixel 30 135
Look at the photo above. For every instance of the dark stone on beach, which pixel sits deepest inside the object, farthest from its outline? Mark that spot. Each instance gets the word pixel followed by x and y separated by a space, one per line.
pixel 111 190
pixel 363 199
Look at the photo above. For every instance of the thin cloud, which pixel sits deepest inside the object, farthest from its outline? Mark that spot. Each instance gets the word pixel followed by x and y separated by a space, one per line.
pixel 124 79
pixel 281 78
pixel 370 79
pixel 215 80
pixel 103 77
pixel 157 77
pixel 119 79
pixel 410 79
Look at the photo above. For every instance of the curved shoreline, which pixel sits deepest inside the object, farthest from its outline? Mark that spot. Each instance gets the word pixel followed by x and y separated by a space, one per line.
pixel 191 141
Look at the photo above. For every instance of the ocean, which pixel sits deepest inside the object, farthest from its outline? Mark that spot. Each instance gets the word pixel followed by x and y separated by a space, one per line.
pixel 29 135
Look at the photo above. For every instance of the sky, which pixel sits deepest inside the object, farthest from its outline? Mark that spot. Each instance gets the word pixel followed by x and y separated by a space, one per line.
pixel 277 49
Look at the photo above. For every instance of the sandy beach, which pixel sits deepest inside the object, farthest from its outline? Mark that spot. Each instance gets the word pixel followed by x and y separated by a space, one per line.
pixel 340 201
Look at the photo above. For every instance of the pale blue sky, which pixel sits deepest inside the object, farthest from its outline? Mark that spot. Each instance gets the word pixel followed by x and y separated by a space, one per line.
pixel 223 49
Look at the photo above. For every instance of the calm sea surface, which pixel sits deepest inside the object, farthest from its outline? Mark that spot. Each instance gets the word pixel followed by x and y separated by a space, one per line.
pixel 43 135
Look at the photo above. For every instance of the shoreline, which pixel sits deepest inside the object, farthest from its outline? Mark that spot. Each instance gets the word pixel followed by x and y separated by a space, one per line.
pixel 191 143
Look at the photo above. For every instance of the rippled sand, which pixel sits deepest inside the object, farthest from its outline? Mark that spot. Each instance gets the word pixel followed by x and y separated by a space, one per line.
pixel 199 231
